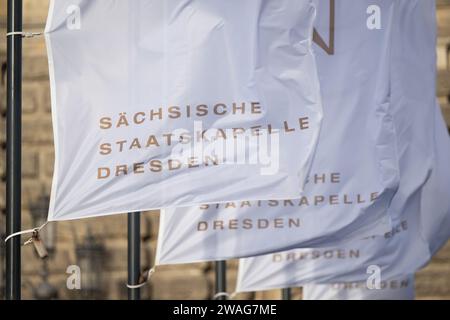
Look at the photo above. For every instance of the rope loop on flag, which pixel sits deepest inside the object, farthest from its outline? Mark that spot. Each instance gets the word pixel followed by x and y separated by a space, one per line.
pixel 34 232
pixel 143 279
pixel 221 294
pixel 225 294
pixel 24 34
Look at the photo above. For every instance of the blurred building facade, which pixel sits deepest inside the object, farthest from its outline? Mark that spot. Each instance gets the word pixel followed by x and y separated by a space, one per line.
pixel 195 281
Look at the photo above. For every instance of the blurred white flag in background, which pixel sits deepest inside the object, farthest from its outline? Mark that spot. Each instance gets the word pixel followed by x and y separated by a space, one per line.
pixel 406 248
pixel 392 289
pixel 420 208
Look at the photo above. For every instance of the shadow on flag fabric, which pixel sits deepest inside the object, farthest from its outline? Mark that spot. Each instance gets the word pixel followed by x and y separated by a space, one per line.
pixel 420 216
pixel 180 102
pixel 393 289
pixel 355 169
pixel 409 246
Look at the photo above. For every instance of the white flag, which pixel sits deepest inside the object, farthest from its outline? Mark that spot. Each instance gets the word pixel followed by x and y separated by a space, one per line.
pixel 408 247
pixel 421 217
pixel 355 169
pixel 180 102
pixel 392 289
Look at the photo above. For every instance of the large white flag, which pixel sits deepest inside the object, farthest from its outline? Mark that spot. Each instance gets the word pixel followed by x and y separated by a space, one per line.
pixel 392 289
pixel 180 102
pixel 355 169
pixel 408 247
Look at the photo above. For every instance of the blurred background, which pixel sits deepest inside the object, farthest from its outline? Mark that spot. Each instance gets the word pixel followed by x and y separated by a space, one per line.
pixel 99 245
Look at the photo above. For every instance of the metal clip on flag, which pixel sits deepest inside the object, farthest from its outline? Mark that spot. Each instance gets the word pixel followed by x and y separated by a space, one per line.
pixel 35 239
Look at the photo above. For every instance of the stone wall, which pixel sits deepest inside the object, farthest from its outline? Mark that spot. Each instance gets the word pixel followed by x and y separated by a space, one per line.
pixel 195 281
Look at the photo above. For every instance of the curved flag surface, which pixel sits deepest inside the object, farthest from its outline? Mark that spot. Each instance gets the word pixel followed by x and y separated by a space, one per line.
pixel 409 246
pixel 180 102
pixel 420 211
pixel 355 171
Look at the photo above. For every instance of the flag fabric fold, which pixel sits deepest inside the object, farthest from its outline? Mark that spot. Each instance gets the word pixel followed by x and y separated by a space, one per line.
pixel 355 171
pixel 409 246
pixel 420 217
pixel 180 102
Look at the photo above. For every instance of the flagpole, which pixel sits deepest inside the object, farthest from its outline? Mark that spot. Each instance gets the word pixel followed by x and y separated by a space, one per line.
pixel 286 294
pixel 13 149
pixel 221 279
pixel 134 254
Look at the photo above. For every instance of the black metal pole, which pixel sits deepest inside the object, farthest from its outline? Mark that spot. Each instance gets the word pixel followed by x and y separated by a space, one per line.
pixel 221 279
pixel 134 254
pixel 13 149
pixel 286 294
